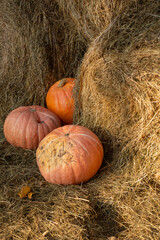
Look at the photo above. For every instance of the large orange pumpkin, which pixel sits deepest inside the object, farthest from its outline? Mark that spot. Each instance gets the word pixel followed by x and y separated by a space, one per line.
pixel 26 126
pixel 60 99
pixel 71 154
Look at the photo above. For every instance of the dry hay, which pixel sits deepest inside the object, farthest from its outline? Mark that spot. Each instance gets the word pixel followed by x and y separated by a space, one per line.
pixel 54 212
pixel 117 90
pixel 117 96
pixel 134 199
pixel 118 203
pixel 92 17
pixel 38 46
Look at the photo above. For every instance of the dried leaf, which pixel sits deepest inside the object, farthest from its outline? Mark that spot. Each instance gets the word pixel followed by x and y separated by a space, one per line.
pixel 24 191
pixel 30 195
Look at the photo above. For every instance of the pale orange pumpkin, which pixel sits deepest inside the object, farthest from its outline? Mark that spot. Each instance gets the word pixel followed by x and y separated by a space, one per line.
pixel 60 100
pixel 71 154
pixel 26 126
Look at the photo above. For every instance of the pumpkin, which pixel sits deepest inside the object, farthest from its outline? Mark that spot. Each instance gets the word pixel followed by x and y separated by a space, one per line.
pixel 26 126
pixel 60 100
pixel 70 154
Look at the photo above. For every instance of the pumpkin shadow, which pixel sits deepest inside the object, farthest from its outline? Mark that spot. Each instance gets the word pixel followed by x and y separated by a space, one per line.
pixel 107 222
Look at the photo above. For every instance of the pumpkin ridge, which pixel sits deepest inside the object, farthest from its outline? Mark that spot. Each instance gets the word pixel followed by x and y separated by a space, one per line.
pixel 77 142
pixel 38 132
pixel 73 173
pixel 46 124
pixel 37 120
pixel 82 134
pixel 68 98
pixel 16 123
pixel 81 163
pixel 26 129
pixel 56 102
pixel 55 118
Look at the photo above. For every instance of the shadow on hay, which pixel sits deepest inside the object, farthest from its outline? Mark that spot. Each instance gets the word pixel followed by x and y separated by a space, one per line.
pixel 108 220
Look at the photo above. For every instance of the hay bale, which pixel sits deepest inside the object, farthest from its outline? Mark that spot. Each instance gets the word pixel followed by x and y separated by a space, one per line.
pixel 117 97
pixel 37 47
pixel 23 51
pixel 92 17
pixel 117 90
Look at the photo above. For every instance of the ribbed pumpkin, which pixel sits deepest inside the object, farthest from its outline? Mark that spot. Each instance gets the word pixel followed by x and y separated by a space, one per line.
pixel 71 154
pixel 26 126
pixel 60 99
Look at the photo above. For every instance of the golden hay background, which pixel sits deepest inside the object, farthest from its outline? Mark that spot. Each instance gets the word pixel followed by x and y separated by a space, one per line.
pixel 38 46
pixel 117 96
pixel 92 17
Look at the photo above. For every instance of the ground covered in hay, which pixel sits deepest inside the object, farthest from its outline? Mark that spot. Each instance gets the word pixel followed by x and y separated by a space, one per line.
pixel 117 96
pixel 53 212
pixel 107 207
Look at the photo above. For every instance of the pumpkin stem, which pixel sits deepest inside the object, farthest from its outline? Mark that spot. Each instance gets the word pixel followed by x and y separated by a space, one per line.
pixel 40 121
pixel 67 134
pixel 32 110
pixel 62 82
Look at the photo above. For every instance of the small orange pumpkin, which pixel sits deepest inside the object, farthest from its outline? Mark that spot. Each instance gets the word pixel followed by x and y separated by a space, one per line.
pixel 26 126
pixel 71 154
pixel 60 99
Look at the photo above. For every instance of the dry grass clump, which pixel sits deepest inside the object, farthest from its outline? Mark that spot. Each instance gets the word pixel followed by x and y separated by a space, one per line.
pixel 117 96
pixel 38 46
pixel 92 17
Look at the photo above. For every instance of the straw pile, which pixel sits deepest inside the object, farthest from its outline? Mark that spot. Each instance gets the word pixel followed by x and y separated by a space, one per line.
pixel 117 96
pixel 92 17
pixel 35 51
pixel 118 87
